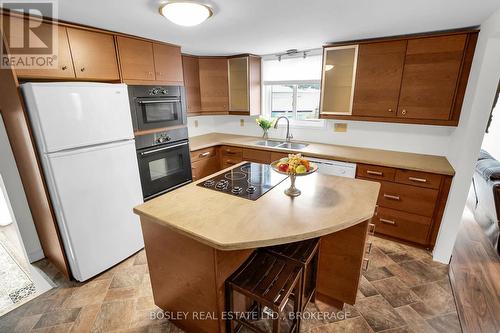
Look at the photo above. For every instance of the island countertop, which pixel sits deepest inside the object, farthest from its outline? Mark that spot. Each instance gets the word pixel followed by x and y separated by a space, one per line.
pixel 225 222
pixel 395 159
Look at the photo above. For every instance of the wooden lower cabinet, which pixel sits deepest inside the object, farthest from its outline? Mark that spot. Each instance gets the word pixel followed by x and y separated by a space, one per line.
pixel 204 162
pixel 411 203
pixel 395 223
pixel 258 156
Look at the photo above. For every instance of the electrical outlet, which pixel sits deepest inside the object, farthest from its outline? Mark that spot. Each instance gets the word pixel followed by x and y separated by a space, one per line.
pixel 196 123
pixel 340 127
pixel 242 122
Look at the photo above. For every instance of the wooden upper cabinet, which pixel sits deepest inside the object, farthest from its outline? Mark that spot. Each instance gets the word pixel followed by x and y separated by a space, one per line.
pixel 94 55
pixel 337 84
pixel 191 84
pixel 378 78
pixel 136 59
pixel 431 72
pixel 214 85
pixel 244 85
pixel 13 27
pixel 168 63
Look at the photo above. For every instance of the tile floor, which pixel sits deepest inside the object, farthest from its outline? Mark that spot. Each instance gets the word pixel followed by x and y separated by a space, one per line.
pixel 403 291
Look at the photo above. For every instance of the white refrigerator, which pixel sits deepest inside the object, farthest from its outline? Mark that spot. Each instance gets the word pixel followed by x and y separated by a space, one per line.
pixel 85 141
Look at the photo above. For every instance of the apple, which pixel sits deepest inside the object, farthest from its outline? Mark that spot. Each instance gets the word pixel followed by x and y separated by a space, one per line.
pixel 300 169
pixel 283 167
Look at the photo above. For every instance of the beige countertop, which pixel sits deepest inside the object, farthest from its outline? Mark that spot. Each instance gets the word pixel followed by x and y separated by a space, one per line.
pixel 226 222
pixel 409 161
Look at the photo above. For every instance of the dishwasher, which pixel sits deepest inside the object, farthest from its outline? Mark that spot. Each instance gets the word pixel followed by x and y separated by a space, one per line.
pixel 334 168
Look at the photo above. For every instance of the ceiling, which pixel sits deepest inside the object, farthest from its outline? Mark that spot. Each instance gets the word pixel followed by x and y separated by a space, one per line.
pixel 271 26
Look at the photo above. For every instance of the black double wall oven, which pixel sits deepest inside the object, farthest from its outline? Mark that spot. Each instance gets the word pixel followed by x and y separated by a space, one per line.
pixel 160 124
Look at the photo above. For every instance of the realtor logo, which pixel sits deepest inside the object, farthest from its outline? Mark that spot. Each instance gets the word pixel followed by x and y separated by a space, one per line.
pixel 32 41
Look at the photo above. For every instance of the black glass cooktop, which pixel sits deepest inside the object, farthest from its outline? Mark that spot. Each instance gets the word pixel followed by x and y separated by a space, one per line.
pixel 249 181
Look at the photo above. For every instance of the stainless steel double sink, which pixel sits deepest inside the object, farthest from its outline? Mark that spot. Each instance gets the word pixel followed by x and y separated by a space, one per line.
pixel 281 144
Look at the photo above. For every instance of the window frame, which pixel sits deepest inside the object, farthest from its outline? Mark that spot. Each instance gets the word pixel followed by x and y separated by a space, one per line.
pixel 294 122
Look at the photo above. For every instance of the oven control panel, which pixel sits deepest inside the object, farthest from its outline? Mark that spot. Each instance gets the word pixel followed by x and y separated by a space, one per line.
pixel 161 137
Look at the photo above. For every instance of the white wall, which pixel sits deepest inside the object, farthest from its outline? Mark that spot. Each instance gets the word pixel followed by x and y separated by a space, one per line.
pixel 466 139
pixel 434 140
pixel 19 205
pixel 491 141
pixel 460 145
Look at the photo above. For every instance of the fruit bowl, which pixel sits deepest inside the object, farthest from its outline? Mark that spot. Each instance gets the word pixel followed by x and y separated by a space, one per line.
pixel 308 168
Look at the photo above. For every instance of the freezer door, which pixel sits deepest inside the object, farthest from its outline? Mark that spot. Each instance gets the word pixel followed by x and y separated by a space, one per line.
pixel 71 115
pixel 94 191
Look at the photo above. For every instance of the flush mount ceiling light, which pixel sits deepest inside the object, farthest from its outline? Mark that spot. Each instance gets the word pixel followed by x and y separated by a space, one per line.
pixel 185 13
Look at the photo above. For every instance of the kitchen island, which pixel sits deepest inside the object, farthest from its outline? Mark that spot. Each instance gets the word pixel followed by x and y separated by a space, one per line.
pixel 195 238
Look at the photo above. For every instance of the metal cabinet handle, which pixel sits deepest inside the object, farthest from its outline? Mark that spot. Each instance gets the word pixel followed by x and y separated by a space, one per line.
pixel 366 263
pixel 387 221
pixel 390 110
pixel 418 180
pixel 376 173
pixel 82 69
pixel 371 229
pixel 368 248
pixel 64 68
pixel 205 154
pixel 230 152
pixel 403 112
pixel 392 197
pixel 231 162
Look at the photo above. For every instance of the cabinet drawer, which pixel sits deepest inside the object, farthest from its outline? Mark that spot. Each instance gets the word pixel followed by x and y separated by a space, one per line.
pixel 406 226
pixel 204 167
pixel 277 156
pixel 407 198
pixel 259 156
pixel 231 151
pixel 418 178
pixel 203 153
pixel 375 172
pixel 229 161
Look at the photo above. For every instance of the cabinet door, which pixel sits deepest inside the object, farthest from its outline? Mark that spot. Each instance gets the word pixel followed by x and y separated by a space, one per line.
pixel 191 84
pixel 205 167
pixel 64 70
pixel 238 84
pixel 94 55
pixel 213 85
pixel 431 71
pixel 136 59
pixel 378 79
pixel 339 68
pixel 168 64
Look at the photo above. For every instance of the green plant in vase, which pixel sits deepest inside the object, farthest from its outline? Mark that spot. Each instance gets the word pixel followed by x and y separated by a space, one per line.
pixel 265 124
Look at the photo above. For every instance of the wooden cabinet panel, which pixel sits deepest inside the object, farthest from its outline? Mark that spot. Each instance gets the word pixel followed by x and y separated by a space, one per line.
pixel 407 198
pixel 64 70
pixel 203 153
pixel 259 156
pixel 214 85
pixel 375 172
pixel 431 71
pixel 191 84
pixel 205 167
pixel 231 151
pixel 94 55
pixel 229 161
pixel 277 156
pixel 378 78
pixel 168 64
pixel 410 227
pixel 417 178
pixel 239 98
pixel 136 59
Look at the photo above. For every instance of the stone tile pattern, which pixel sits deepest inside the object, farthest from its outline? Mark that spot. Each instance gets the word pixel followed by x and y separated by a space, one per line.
pixel 402 291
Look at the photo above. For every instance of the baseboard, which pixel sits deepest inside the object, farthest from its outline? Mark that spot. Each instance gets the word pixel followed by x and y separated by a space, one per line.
pixel 35 255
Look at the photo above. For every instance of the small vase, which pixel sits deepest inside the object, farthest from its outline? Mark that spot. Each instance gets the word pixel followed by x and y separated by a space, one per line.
pixel 265 136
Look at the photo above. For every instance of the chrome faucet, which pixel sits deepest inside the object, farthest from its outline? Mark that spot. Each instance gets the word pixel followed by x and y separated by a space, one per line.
pixel 289 135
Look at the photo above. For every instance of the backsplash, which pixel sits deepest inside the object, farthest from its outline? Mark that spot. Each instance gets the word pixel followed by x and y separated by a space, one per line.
pixel 433 140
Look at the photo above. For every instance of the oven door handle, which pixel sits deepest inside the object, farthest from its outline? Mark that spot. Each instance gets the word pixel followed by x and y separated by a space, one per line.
pixel 153 101
pixel 164 148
